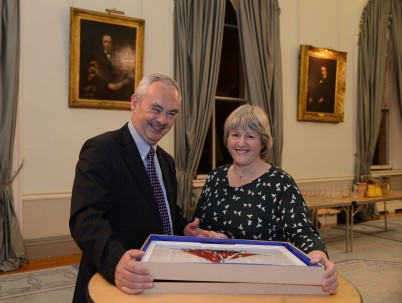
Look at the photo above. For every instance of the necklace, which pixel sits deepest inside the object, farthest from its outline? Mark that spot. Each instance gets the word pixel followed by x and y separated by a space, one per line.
pixel 248 174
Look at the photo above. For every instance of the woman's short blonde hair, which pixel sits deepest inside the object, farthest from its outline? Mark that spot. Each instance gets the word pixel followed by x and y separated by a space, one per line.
pixel 254 118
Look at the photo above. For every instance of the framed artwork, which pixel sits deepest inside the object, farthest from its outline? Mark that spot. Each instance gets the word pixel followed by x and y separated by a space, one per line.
pixel 106 59
pixel 321 85
pixel 180 258
pixel 171 251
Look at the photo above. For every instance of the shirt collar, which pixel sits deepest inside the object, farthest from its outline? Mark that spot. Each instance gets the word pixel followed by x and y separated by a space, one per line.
pixel 142 145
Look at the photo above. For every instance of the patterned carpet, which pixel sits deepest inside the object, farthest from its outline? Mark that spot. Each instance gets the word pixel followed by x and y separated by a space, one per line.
pixel 373 279
pixel 41 286
pixel 371 228
pixel 334 234
pixel 375 265
pixel 376 229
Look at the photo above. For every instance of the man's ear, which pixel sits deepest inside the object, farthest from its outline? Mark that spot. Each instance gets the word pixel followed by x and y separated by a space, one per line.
pixel 134 102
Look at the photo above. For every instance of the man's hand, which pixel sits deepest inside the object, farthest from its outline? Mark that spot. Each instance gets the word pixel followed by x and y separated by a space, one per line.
pixel 329 282
pixel 193 230
pixel 130 276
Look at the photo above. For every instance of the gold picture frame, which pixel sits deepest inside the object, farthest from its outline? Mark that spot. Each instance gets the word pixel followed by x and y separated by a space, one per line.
pixel 321 84
pixel 106 59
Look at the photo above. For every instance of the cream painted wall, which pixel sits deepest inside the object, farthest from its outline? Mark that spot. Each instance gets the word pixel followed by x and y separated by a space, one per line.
pixel 314 150
pixel 51 134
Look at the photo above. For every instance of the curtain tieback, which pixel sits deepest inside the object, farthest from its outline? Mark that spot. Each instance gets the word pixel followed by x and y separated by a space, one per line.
pixel 184 174
pixel 8 183
pixel 358 157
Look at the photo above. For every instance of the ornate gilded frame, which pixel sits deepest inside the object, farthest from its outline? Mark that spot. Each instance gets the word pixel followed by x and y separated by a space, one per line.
pixel 312 105
pixel 86 31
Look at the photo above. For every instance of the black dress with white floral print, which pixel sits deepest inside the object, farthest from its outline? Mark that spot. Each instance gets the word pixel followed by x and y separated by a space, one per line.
pixel 270 208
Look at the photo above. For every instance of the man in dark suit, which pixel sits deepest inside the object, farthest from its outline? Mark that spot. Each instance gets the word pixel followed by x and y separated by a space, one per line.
pixel 113 206
pixel 321 96
pixel 104 76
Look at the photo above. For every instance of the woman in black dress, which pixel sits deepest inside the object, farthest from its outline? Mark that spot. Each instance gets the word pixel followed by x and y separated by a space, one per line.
pixel 252 199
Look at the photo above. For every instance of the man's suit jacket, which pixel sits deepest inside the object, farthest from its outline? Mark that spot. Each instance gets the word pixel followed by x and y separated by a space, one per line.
pixel 113 208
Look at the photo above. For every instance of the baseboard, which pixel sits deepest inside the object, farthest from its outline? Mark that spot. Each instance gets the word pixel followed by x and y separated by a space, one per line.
pixel 392 206
pixel 50 247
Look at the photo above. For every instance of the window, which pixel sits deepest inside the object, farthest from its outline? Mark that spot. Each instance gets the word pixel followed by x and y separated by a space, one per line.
pixel 381 155
pixel 389 142
pixel 229 95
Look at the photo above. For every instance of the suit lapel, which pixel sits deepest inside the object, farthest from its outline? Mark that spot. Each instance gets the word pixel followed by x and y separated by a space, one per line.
pixel 132 158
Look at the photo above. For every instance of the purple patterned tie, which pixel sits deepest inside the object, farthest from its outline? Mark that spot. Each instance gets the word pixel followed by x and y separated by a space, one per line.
pixel 158 192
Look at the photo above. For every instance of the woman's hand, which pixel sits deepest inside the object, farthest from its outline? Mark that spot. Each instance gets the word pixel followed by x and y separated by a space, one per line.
pixel 329 281
pixel 192 229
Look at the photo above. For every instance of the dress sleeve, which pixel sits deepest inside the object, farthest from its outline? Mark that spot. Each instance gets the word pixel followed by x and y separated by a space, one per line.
pixel 297 226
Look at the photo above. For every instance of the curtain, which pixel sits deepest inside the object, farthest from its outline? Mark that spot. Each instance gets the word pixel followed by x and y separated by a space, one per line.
pixel 396 31
pixel 197 48
pixel 258 22
pixel 11 244
pixel 370 86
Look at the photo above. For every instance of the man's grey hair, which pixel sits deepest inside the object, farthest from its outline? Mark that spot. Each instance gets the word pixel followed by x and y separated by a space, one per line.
pixel 149 79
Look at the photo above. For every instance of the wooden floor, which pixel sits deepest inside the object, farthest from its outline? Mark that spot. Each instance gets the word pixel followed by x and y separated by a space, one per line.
pixel 75 259
pixel 47 263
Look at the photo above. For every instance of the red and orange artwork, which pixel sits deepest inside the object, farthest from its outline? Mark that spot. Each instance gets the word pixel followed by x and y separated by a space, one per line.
pixel 217 256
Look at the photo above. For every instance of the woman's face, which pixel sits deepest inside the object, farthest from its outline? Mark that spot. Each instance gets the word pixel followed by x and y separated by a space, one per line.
pixel 244 145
